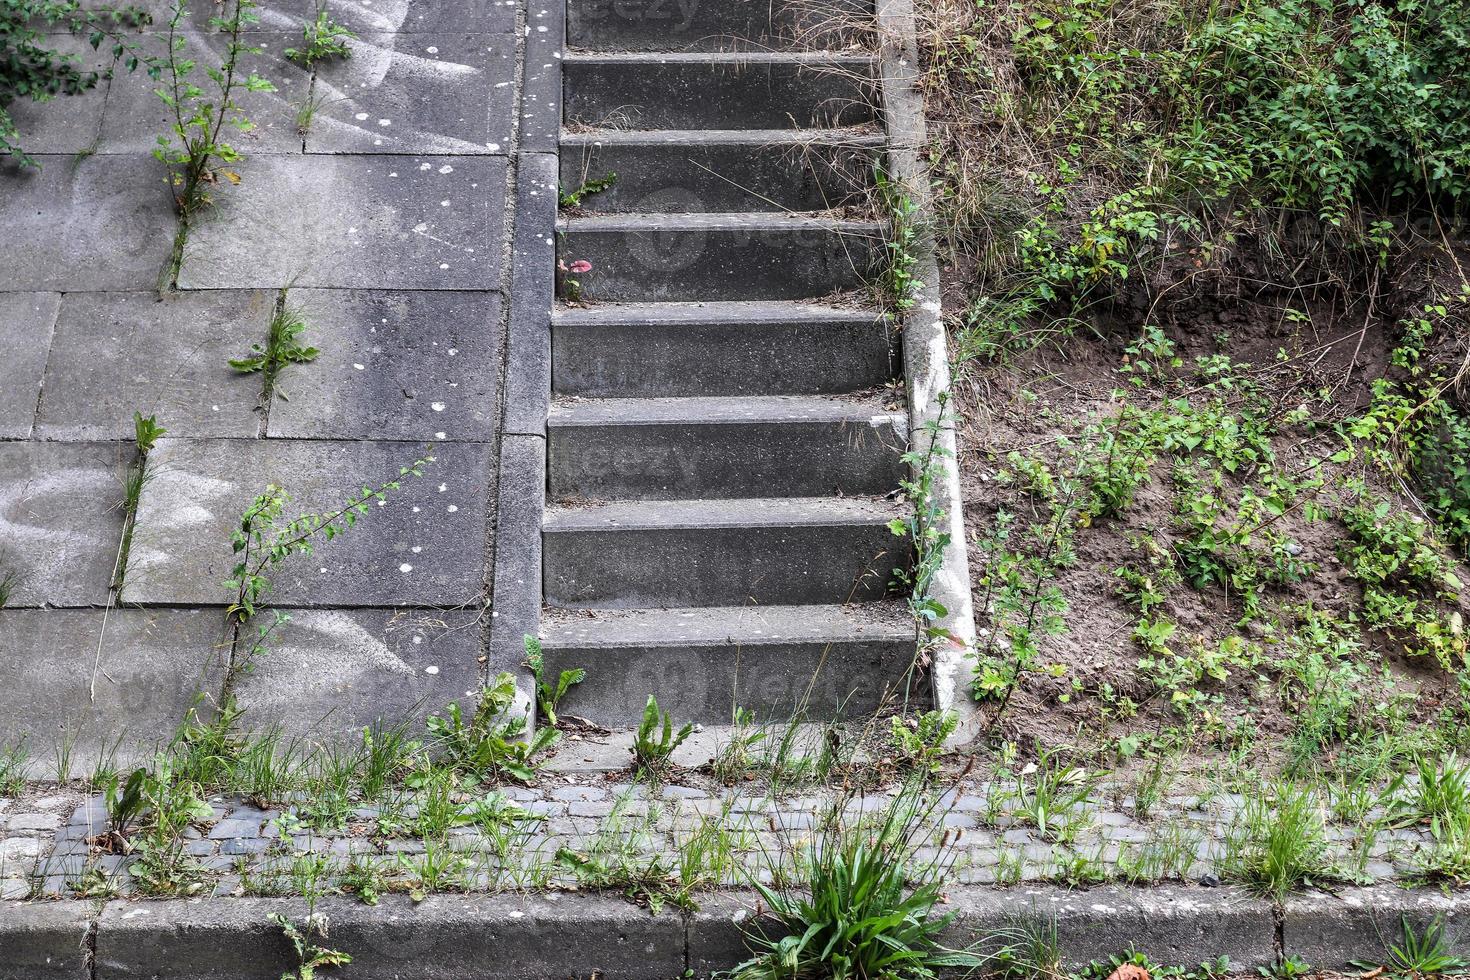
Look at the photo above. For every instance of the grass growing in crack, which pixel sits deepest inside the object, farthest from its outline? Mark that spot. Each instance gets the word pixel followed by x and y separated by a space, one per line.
pixel 283 347
pixel 15 767
pixel 623 856
pixel 195 150
pixel 864 904
pixel 1279 843
pixel 1054 798
pixel 146 433
pixel 1441 791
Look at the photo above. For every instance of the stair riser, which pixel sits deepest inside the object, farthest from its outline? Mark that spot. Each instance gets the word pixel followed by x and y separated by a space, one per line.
pixel 697 95
pixel 637 568
pixel 708 25
pixel 705 683
pixel 686 461
pixel 671 265
pixel 692 177
pixel 670 360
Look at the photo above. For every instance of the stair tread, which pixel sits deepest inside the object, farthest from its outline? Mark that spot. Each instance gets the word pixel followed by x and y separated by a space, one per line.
pixel 722 410
pixel 847 135
pixel 721 513
pixel 890 621
pixel 735 311
pixel 716 221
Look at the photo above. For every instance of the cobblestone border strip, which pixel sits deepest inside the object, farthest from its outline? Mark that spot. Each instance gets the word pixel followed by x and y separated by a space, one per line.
pixel 926 363
pixel 450 937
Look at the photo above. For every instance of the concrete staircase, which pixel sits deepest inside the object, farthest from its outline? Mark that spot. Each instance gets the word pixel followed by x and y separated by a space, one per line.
pixel 724 439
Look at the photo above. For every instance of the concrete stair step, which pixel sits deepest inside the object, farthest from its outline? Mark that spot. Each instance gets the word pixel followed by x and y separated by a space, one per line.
pixel 674 349
pixel 700 448
pixel 649 554
pixel 722 257
pixel 718 91
pixel 714 25
pixel 831 661
pixel 722 170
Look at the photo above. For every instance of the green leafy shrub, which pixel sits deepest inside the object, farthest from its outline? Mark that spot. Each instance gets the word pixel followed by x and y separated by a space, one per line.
pixel 30 69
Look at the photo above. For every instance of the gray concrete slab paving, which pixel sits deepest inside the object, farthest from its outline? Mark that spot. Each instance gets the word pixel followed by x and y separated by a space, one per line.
pixel 423 16
pixel 110 684
pixel 423 546
pixel 390 236
pixel 359 222
pixel 27 321
pixel 81 224
pixel 333 670
pixel 72 123
pixel 417 93
pixel 167 356
pixel 135 116
pixel 61 520
pixel 419 365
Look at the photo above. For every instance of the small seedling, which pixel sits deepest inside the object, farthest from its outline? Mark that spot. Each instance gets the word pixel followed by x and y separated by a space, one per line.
pixel 573 199
pixel 146 432
pixel 321 40
pixel 656 739
pixel 919 741
pixel 568 288
pixel 548 695
pixel 309 955
pixel 283 346
pixel 1286 968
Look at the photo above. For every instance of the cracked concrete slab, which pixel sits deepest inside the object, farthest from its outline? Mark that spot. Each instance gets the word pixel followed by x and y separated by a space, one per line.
pixel 423 546
pixel 119 353
pixel 27 322
pixel 61 519
pixel 417 93
pixel 360 222
pixel 109 683
pixel 419 365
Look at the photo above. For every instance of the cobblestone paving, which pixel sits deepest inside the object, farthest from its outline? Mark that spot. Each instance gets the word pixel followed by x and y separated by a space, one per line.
pixel 50 846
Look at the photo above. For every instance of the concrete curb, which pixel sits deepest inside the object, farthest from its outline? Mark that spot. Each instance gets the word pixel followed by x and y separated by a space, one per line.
pixel 926 366
pixel 556 935
pixel 1330 930
pixel 515 607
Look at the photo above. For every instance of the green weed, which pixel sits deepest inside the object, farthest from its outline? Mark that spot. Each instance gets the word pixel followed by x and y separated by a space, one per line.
pixel 321 40
pixel 655 741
